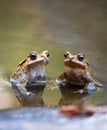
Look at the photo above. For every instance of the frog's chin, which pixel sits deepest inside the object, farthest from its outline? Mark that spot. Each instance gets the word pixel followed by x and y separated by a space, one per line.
pixel 37 76
pixel 37 72
pixel 74 64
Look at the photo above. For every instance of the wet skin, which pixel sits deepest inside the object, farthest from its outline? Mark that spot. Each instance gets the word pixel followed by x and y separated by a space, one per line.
pixel 77 72
pixel 29 79
pixel 31 68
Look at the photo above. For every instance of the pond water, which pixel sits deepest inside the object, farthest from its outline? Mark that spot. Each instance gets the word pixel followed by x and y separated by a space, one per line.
pixel 57 26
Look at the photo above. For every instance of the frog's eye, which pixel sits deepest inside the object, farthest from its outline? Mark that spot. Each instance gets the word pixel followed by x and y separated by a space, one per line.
pixel 80 57
pixel 66 54
pixel 33 56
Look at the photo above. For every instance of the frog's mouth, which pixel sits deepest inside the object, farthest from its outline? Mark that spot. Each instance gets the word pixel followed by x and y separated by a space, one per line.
pixel 38 62
pixel 74 64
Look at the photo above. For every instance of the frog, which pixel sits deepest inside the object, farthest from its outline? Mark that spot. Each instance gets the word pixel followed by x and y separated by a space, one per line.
pixel 77 72
pixel 31 69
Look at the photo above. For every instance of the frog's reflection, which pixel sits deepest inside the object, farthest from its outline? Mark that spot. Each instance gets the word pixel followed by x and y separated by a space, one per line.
pixel 69 94
pixel 30 96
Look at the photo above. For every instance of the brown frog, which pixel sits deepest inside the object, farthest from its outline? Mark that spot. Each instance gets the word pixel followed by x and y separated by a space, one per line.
pixel 31 69
pixel 77 71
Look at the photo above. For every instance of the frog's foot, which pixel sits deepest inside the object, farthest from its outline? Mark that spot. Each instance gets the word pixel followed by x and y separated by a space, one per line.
pixel 61 82
pixel 90 88
pixel 81 91
pixel 29 94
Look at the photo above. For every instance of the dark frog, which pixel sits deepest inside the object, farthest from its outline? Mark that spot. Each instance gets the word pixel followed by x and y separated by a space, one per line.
pixel 77 72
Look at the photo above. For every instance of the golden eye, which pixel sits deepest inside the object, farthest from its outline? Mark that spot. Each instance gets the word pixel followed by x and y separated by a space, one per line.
pixel 80 57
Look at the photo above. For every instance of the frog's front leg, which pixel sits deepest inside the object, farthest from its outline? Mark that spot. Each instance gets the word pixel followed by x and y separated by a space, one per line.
pixel 89 88
pixel 21 90
pixel 90 79
pixel 24 91
pixel 23 95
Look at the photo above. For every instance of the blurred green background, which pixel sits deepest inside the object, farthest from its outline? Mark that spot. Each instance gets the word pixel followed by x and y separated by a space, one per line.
pixel 57 26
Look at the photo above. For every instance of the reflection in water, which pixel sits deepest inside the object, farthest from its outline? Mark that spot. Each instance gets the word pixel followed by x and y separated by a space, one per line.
pixel 69 95
pixel 31 97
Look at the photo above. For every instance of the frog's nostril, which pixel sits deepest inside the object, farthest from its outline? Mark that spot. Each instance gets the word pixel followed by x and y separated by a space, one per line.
pixel 33 56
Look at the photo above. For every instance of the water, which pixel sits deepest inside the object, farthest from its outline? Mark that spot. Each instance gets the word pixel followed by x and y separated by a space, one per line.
pixel 57 26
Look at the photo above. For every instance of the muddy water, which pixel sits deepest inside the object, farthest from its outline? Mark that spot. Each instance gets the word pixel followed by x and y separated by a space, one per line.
pixel 57 26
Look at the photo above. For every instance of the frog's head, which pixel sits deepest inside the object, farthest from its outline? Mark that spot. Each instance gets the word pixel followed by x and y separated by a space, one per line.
pixel 75 61
pixel 35 64
pixel 35 60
